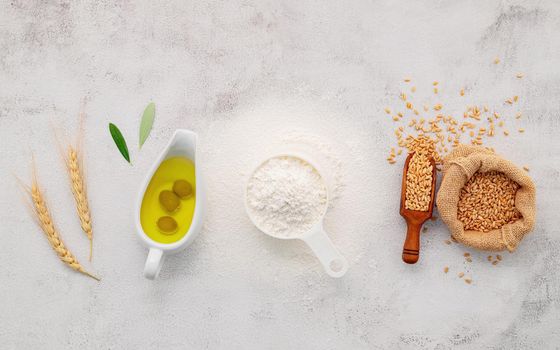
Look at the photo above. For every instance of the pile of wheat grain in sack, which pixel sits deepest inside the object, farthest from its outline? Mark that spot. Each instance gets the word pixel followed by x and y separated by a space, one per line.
pixel 485 200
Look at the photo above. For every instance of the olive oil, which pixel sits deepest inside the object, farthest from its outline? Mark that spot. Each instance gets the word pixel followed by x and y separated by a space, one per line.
pixel 168 172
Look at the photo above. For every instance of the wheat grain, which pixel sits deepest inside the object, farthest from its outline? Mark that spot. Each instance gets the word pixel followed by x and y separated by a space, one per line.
pixel 419 175
pixel 46 223
pixel 419 183
pixel 487 202
pixel 448 131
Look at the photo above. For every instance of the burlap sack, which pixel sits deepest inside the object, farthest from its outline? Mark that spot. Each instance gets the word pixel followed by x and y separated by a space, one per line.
pixel 458 167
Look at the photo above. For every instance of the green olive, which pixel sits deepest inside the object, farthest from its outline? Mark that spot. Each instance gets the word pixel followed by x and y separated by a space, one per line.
pixel 167 225
pixel 169 201
pixel 183 189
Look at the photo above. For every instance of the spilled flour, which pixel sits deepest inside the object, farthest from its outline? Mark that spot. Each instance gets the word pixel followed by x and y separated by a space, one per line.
pixel 286 196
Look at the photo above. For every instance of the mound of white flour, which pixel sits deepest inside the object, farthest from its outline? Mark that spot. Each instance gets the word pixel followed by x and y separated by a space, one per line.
pixel 286 196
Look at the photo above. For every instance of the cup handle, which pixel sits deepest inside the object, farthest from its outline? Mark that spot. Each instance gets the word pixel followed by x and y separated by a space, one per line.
pixel 333 262
pixel 153 263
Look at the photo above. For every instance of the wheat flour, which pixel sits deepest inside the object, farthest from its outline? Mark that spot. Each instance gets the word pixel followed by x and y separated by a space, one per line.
pixel 286 196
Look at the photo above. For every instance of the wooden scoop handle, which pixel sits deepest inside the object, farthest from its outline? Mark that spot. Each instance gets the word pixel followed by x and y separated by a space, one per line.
pixel 411 247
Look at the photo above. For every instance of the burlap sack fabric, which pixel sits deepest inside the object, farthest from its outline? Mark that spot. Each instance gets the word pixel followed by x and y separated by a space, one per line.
pixel 458 167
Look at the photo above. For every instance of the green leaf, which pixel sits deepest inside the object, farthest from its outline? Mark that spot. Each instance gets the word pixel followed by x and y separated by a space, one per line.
pixel 147 122
pixel 119 141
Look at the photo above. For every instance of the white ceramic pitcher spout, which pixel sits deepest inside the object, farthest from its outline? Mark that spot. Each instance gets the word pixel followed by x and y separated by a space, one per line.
pixel 183 143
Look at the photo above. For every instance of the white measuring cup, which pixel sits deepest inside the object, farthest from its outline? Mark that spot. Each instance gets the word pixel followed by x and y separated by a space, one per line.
pixel 316 238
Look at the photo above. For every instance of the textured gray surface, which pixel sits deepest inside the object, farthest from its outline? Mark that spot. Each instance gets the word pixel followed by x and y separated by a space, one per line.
pixel 243 74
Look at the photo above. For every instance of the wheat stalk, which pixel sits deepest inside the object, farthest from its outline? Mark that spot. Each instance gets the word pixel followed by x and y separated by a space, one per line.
pixel 73 164
pixel 45 222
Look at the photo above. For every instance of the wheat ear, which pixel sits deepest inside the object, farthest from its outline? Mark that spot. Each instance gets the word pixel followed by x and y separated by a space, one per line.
pixel 73 164
pixel 45 222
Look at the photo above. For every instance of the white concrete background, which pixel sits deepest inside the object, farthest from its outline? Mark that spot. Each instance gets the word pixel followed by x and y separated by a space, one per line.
pixel 243 74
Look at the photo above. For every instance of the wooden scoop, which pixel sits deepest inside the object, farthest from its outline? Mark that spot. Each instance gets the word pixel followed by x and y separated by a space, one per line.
pixel 414 218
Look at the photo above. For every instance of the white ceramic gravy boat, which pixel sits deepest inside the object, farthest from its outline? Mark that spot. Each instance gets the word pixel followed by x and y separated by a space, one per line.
pixel 183 143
